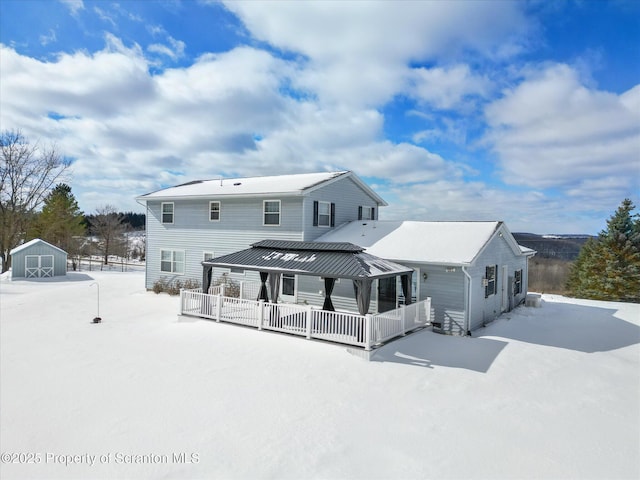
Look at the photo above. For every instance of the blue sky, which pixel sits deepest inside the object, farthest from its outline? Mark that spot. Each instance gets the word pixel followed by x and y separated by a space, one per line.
pixel 527 112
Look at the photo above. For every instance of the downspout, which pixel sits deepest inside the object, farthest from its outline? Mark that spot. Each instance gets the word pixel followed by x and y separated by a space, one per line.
pixel 468 309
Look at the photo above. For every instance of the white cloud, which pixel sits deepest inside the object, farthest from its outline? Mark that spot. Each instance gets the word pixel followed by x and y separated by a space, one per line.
pixel 448 87
pixel 74 6
pixel 174 51
pixel 551 130
pixel 359 51
pixel 49 38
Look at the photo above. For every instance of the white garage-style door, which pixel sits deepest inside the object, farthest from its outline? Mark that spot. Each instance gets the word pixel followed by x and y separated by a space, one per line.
pixel 38 266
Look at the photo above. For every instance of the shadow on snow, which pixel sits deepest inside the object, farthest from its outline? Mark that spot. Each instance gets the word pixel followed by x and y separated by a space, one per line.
pixel 581 328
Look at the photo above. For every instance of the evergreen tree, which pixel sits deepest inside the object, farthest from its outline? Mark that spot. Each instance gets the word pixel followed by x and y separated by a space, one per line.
pixel 60 222
pixel 609 268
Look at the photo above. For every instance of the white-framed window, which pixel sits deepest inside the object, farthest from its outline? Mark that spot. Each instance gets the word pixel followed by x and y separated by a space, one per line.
pixel 172 261
pixel 366 213
pixel 288 284
pixel 324 214
pixel 490 280
pixel 207 256
pixel 517 282
pixel 271 212
pixel 214 211
pixel 167 212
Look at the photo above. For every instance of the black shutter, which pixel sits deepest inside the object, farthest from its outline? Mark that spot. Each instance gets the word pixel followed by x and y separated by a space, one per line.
pixel 333 214
pixel 315 213
pixel 373 213
pixel 495 280
pixel 359 213
pixel 486 287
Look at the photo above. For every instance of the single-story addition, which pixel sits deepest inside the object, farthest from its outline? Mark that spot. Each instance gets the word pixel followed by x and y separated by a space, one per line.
pixel 38 259
pixel 472 271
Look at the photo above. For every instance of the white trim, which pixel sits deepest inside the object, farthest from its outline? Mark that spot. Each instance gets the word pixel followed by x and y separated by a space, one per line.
pixel 264 212
pixel 173 213
pixel 35 241
pixel 39 271
pixel 328 215
pixel 173 261
pixel 289 298
pixel 219 210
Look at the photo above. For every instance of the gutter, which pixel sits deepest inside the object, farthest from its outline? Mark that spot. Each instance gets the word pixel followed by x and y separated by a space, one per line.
pixel 468 309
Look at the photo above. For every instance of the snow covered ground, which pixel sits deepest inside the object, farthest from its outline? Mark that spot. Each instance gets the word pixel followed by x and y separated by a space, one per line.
pixel 551 392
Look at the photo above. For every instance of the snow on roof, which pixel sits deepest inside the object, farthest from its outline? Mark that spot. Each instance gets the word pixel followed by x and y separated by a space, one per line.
pixel 427 242
pixel 33 242
pixel 269 185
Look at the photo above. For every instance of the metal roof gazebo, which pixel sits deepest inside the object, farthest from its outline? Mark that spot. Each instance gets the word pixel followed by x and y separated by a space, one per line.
pixel 327 260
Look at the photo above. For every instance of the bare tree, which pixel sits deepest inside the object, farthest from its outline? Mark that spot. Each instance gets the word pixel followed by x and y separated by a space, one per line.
pixel 107 225
pixel 27 174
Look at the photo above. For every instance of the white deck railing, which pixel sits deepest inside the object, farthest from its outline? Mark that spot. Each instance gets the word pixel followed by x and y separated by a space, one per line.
pixel 348 328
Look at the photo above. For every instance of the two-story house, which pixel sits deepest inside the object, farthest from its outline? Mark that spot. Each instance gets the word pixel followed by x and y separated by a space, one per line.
pixel 199 220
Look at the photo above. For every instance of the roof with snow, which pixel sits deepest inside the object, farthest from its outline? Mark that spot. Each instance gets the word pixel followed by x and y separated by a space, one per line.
pixel 35 241
pixel 298 184
pixel 457 243
pixel 332 260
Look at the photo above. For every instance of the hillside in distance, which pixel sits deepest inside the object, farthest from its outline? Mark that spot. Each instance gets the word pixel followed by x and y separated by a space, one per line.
pixel 564 246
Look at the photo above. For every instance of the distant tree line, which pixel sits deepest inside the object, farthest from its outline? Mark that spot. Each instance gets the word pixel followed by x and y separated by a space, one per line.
pixel 35 203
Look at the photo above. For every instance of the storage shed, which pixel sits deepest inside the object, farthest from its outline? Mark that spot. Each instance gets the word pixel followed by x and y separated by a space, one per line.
pixel 38 259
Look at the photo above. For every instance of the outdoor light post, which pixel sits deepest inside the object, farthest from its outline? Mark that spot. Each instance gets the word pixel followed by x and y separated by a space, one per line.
pixel 97 318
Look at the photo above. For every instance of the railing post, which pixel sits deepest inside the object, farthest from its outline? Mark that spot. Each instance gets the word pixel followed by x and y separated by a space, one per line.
pixel 309 321
pixel 260 314
pixel 222 285
pixel 241 294
pixel 367 332
pixel 181 301
pixel 218 308
pixel 403 324
pixel 428 310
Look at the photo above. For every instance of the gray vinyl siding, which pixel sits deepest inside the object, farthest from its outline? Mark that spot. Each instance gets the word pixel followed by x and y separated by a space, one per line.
pixel 18 259
pixel 447 292
pixel 498 252
pixel 346 195
pixel 240 225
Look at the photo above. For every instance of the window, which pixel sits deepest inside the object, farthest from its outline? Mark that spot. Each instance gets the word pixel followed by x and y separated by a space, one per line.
pixel 271 209
pixel 207 256
pixel 490 280
pixel 167 213
pixel 214 211
pixel 324 214
pixel 288 284
pixel 366 213
pixel 517 282
pixel 172 261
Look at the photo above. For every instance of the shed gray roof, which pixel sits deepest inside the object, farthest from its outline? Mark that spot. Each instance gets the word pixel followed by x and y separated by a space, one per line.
pixel 35 241
pixel 323 259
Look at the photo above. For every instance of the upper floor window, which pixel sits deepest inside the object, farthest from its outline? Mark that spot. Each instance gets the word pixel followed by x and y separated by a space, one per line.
pixel 172 261
pixel 324 214
pixel 167 212
pixel 214 211
pixel 490 280
pixel 271 212
pixel 517 282
pixel 207 256
pixel 366 213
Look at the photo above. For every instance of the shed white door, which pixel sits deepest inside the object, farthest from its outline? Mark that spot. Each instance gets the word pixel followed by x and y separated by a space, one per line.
pixel 505 288
pixel 38 266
